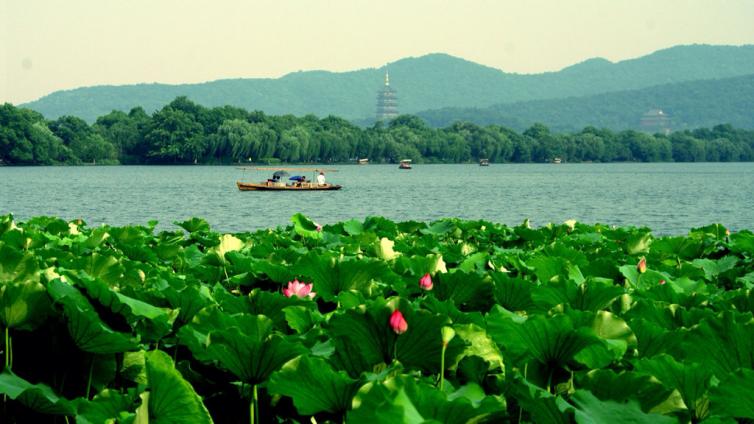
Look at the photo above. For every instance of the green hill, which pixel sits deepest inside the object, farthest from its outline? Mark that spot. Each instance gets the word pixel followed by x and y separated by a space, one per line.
pixel 690 105
pixel 428 82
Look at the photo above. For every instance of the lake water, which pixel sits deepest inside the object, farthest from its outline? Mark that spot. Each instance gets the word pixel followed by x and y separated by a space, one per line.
pixel 670 198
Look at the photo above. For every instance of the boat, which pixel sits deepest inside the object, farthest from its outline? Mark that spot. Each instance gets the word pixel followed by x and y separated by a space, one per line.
pixel 405 164
pixel 556 160
pixel 268 186
pixel 364 161
pixel 296 183
pixel 484 162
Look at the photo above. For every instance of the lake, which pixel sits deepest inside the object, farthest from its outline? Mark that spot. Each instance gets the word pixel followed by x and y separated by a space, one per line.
pixel 670 198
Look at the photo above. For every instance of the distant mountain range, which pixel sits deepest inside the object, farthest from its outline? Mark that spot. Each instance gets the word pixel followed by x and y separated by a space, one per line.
pixel 689 105
pixel 429 82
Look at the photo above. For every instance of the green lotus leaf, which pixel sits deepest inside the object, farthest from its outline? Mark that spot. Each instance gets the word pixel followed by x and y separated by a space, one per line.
pixel 439 228
pixel 37 397
pixel 468 291
pixel 88 331
pixel 243 344
pixel 172 400
pixel 421 346
pixel 109 406
pixel 300 318
pixel 542 406
pixel 621 387
pixel 551 341
pixel 331 276
pixel 305 227
pixel 188 300
pixel 591 410
pixel 314 386
pixel 151 322
pixel 380 226
pixel 475 262
pixel 638 243
pixel 513 294
pixel 449 309
pixel 728 343
pixel 547 268
pixel 23 305
pixel 691 380
pixel 713 268
pixel 478 344
pixel 653 339
pixel 734 396
pixel 592 295
pixel 353 227
pixel 193 225
pixel 362 337
pixel 742 242
pixel 403 400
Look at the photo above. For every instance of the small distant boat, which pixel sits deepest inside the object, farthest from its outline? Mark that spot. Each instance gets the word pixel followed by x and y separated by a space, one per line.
pixel 364 161
pixel 484 162
pixel 405 164
pixel 556 160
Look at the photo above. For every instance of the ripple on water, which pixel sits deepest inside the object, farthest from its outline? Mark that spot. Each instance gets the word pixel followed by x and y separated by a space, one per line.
pixel 669 198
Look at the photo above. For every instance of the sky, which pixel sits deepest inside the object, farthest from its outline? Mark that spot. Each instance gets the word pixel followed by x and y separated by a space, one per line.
pixel 63 44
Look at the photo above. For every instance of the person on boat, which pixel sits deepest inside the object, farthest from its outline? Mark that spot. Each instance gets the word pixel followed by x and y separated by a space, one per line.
pixel 321 178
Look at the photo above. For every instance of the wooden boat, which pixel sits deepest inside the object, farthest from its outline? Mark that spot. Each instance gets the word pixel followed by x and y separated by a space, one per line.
pixel 405 164
pixel 556 160
pixel 276 184
pixel 484 162
pixel 285 187
pixel 364 161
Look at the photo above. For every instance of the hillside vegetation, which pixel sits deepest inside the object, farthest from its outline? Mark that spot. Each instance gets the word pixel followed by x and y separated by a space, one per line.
pixel 423 83
pixel 690 105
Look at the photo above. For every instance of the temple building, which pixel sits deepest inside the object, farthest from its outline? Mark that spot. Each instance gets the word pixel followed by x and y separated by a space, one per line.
pixel 387 101
pixel 655 121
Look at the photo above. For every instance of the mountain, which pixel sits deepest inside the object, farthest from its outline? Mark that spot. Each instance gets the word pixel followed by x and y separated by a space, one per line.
pixel 428 82
pixel 692 104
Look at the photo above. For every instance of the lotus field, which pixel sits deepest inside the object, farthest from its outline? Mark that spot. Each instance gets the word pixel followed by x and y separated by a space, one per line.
pixel 374 322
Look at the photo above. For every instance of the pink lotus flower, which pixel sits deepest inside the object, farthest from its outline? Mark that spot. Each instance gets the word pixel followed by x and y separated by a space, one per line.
pixel 398 323
pixel 642 265
pixel 426 282
pixel 298 289
pixel 319 227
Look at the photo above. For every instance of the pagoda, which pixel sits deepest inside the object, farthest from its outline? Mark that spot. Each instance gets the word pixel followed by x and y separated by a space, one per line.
pixel 655 121
pixel 387 101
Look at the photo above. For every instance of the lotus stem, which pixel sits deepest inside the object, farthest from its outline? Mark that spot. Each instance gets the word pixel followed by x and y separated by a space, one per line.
pixel 89 380
pixel 7 349
pixel 254 405
pixel 442 365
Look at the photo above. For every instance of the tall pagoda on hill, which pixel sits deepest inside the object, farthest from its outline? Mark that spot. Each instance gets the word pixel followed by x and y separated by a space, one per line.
pixel 387 101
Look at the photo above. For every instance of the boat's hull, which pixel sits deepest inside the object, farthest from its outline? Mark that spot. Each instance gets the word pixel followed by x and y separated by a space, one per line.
pixel 265 187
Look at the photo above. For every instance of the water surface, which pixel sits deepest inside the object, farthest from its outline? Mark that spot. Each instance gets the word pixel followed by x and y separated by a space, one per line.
pixel 670 198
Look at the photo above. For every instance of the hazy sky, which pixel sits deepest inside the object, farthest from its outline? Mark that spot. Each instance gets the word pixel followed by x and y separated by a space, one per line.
pixel 60 44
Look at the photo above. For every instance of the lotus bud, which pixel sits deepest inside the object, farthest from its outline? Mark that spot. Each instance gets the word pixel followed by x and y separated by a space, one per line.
pixel 299 289
pixel 662 282
pixel 642 265
pixel 319 228
pixel 398 323
pixel 447 335
pixel 426 282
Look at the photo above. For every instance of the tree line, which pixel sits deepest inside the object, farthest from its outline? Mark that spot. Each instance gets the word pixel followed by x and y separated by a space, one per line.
pixel 184 132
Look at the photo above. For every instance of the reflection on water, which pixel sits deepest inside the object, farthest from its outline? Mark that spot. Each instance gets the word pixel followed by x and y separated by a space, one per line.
pixel 667 197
